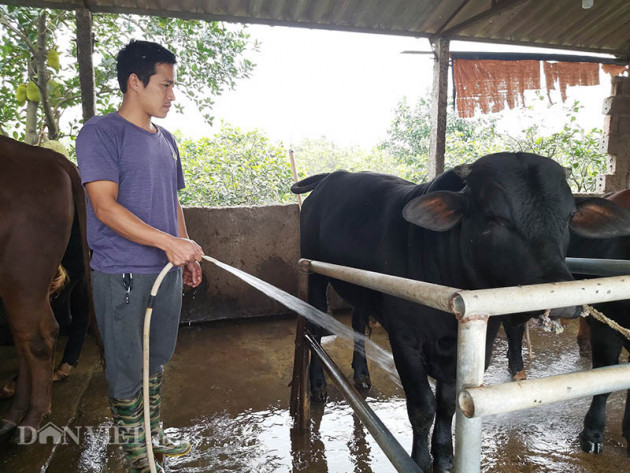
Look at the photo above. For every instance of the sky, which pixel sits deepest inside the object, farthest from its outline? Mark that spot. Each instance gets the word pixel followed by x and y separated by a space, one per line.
pixel 344 86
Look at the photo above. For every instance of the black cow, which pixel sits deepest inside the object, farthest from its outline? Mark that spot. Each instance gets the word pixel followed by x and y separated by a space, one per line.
pixel 509 225
pixel 606 343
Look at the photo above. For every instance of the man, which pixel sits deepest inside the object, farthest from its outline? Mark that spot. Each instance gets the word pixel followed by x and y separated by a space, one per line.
pixel 132 171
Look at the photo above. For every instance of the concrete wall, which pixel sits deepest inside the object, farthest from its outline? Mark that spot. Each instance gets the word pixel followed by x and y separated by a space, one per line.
pixel 616 140
pixel 263 241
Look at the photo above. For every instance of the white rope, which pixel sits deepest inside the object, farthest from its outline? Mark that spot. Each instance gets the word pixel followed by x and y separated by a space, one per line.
pixel 550 325
pixel 588 310
pixel 554 326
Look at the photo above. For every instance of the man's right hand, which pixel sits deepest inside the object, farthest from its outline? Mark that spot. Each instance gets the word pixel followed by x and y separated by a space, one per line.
pixel 181 251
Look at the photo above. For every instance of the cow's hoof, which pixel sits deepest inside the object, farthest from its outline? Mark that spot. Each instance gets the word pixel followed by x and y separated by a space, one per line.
pixel 63 372
pixel 519 375
pixel 319 395
pixel 7 391
pixel 363 382
pixel 445 466
pixel 591 446
pixel 6 427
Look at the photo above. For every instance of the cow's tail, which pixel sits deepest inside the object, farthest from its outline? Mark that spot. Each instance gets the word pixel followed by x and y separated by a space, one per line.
pixel 80 216
pixel 308 184
pixel 58 282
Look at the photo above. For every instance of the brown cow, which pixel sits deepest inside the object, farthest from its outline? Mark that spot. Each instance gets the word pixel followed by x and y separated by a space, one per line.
pixel 40 198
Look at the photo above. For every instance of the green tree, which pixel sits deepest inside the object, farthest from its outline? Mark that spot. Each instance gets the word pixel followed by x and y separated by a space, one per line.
pixel 315 156
pixel 29 64
pixel 573 147
pixel 409 135
pixel 211 57
pixel 468 139
pixel 235 167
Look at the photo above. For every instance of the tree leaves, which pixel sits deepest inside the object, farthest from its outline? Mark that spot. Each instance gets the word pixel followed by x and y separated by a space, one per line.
pixel 235 167
pixel 573 147
pixel 216 63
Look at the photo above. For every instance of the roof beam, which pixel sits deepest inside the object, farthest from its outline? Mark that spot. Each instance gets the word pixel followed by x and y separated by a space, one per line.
pixel 482 55
pixel 453 15
pixel 497 7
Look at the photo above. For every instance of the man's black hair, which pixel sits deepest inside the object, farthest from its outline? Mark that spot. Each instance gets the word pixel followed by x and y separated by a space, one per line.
pixel 140 58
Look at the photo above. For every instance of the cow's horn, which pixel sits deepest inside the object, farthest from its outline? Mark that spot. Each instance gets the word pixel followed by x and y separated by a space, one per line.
pixel 463 170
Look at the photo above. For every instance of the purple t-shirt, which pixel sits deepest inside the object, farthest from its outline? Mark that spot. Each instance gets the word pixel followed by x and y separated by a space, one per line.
pixel 147 168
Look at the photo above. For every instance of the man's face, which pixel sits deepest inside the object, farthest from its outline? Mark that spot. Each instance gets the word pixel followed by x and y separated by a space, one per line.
pixel 157 96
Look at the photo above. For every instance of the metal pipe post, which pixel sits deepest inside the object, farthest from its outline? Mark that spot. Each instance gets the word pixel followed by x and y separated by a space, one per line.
pixel 599 267
pixel 508 300
pixel 432 295
pixel 397 455
pixel 471 357
pixel 515 396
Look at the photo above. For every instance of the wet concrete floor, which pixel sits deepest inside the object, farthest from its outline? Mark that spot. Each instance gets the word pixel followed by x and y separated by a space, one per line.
pixel 227 390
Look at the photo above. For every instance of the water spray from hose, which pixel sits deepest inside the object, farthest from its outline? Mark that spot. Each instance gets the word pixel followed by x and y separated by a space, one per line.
pixel 377 354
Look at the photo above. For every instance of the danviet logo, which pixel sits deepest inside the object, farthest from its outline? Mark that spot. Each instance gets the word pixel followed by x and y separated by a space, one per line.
pixel 52 434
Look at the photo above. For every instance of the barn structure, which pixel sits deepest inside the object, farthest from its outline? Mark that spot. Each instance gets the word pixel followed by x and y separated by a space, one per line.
pixel 590 26
pixel 594 26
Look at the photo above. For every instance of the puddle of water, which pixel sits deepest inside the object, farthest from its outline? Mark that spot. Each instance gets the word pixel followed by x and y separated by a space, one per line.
pixel 226 390
pixel 537 440
pixel 545 439
pixel 264 441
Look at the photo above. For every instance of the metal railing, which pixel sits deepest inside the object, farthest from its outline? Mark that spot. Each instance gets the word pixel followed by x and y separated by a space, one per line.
pixel 472 309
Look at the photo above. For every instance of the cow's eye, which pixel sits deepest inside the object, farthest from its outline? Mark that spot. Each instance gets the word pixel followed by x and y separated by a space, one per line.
pixel 504 222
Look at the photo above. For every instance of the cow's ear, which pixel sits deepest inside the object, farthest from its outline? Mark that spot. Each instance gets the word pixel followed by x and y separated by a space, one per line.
pixel 599 218
pixel 438 211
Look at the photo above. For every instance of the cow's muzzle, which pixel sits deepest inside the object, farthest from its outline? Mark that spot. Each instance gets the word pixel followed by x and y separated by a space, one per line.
pixel 570 312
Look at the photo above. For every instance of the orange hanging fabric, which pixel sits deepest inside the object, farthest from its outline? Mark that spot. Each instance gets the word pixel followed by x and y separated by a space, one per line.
pixel 570 74
pixel 489 84
pixel 613 69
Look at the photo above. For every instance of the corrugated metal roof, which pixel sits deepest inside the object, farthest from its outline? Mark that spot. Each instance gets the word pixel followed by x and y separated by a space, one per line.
pixel 604 28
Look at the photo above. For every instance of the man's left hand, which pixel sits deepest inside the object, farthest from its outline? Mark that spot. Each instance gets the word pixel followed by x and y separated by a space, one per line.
pixel 192 274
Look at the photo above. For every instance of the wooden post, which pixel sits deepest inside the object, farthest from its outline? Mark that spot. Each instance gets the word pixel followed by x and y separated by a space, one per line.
pixel 295 176
pixel 84 59
pixel 300 408
pixel 439 97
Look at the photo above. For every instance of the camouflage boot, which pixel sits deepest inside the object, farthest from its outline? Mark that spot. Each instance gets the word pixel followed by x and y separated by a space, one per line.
pixel 161 442
pixel 129 418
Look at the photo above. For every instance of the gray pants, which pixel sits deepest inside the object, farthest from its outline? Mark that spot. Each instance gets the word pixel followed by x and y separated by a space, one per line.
pixel 120 316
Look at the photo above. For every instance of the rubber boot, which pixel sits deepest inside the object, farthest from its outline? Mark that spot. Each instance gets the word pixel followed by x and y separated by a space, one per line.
pixel 162 443
pixel 129 418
